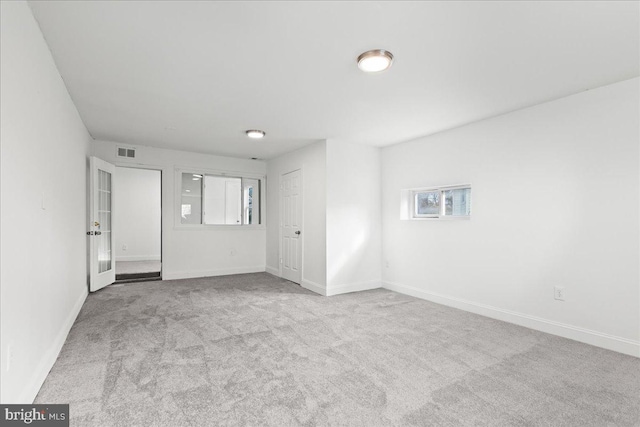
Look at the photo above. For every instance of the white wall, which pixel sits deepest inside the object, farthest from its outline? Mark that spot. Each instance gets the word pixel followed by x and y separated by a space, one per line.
pixel 43 214
pixel 136 219
pixel 312 161
pixel 353 217
pixel 196 251
pixel 341 215
pixel 555 201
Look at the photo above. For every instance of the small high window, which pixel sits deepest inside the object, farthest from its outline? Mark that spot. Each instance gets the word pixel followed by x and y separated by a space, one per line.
pixel 441 202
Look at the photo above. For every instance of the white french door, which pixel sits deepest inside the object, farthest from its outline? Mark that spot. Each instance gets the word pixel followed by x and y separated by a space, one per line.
pixel 102 270
pixel 291 226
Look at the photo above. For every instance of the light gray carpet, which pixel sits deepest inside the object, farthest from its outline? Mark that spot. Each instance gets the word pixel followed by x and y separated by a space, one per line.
pixel 256 350
pixel 134 267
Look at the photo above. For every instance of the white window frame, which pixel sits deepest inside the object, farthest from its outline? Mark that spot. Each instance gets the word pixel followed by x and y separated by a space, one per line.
pixel 408 202
pixel 178 225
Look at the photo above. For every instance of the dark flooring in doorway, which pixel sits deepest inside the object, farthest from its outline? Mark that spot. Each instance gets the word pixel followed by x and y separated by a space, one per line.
pixel 257 350
pixel 138 271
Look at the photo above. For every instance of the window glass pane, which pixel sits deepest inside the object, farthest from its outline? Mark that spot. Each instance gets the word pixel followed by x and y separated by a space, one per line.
pixel 191 199
pixel 251 200
pixel 222 200
pixel 457 202
pixel 427 203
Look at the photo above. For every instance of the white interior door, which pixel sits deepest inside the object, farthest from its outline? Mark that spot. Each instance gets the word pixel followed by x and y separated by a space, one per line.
pixel 291 226
pixel 101 239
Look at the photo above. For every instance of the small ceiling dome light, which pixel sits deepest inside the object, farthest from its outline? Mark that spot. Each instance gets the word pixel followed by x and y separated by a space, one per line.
pixel 374 61
pixel 255 134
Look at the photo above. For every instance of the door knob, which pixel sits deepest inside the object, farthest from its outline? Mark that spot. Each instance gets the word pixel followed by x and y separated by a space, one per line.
pixel 298 232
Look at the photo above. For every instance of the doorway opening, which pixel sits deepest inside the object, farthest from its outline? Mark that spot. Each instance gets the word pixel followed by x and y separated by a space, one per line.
pixel 137 224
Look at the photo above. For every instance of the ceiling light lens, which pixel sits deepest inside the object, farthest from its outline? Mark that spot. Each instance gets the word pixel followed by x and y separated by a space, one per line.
pixel 255 134
pixel 374 61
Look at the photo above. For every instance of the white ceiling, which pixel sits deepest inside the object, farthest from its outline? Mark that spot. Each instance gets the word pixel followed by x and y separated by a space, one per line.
pixel 195 75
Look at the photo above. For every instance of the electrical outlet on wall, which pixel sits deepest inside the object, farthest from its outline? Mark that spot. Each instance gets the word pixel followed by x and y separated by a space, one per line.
pixel 386 264
pixel 558 293
pixel 124 247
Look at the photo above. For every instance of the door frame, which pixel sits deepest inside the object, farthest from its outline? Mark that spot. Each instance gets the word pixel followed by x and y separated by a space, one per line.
pixel 280 219
pixel 162 171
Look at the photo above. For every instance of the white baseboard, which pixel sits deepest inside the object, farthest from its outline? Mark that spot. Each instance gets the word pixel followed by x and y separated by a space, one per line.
pixel 598 339
pixel 49 358
pixel 138 258
pixel 175 275
pixel 273 270
pixel 352 287
pixel 314 287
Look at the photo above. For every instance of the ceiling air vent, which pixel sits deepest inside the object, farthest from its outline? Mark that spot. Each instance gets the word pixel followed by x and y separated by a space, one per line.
pixel 127 152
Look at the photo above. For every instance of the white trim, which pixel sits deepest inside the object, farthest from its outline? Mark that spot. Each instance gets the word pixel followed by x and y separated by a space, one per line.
pixel 138 258
pixel 272 270
pixel 598 339
pixel 352 287
pixel 211 273
pixel 218 172
pixel 164 172
pixel 313 287
pixel 440 187
pixel 442 218
pixel 47 361
pixel 144 166
pixel 219 227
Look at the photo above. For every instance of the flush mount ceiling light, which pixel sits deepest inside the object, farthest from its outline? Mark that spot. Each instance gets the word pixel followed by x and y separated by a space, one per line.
pixel 255 134
pixel 374 61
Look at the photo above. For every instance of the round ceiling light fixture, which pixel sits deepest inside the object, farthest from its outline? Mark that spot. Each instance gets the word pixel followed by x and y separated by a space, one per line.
pixel 374 61
pixel 255 134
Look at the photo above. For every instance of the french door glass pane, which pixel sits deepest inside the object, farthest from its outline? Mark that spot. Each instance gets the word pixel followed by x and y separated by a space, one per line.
pixel 104 220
